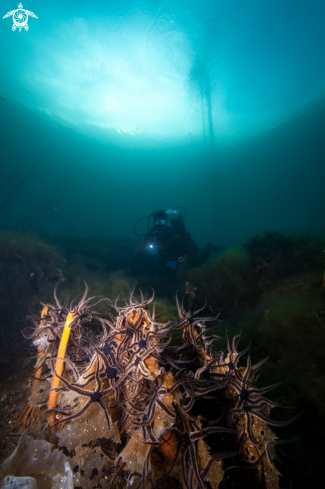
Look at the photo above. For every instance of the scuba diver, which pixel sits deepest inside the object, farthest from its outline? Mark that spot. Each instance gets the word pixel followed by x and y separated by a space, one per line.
pixel 167 244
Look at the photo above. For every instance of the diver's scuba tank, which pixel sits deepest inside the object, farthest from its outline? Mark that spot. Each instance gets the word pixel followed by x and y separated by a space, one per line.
pixel 172 214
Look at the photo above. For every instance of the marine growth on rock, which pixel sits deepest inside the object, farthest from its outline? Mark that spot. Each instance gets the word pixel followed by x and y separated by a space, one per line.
pixel 124 401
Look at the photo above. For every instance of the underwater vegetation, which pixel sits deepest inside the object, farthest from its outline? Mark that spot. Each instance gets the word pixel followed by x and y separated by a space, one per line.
pixel 238 277
pixel 35 264
pixel 29 269
pixel 280 256
pixel 127 401
pixel 225 281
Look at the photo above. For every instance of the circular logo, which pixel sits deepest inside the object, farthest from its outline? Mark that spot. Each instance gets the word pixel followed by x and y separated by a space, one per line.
pixel 20 18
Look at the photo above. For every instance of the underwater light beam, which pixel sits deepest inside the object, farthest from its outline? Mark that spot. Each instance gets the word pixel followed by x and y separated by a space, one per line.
pixel 125 76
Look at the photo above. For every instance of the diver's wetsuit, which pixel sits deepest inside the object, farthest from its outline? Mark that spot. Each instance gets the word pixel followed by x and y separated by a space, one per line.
pixel 167 248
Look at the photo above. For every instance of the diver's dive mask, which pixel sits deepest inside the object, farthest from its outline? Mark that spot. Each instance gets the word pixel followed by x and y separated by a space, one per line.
pixel 161 220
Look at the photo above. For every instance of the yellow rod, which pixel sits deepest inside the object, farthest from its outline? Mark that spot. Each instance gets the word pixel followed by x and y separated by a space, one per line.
pixel 59 362
pixel 40 352
pixel 38 370
pixel 44 313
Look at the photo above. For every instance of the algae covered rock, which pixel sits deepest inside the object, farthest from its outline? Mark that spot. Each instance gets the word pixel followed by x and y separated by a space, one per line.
pixel 132 402
pixel 11 482
pixel 39 461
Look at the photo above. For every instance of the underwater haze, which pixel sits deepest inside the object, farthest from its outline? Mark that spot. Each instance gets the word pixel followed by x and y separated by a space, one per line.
pixel 111 110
